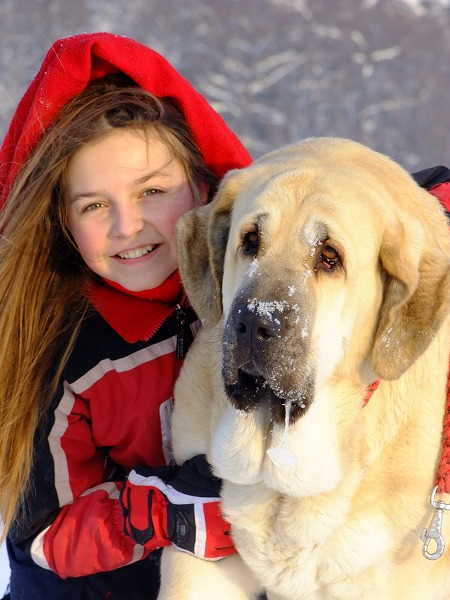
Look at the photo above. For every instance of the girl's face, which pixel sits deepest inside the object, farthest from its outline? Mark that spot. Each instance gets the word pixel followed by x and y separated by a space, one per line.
pixel 125 194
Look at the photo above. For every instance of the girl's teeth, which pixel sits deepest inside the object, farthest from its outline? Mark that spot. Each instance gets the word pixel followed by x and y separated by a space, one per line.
pixel 136 253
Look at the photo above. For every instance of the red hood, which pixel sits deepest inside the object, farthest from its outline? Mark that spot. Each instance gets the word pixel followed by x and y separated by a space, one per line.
pixel 74 61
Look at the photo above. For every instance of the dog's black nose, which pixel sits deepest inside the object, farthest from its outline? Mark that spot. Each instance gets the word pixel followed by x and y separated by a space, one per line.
pixel 257 327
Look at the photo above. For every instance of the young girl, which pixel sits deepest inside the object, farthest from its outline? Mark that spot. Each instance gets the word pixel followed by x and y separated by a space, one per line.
pixel 108 147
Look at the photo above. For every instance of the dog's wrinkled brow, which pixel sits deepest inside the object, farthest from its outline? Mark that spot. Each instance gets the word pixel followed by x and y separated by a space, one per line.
pixel 255 221
pixel 314 233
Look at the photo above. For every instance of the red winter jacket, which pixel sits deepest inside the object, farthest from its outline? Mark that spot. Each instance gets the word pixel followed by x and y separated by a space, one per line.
pixel 111 412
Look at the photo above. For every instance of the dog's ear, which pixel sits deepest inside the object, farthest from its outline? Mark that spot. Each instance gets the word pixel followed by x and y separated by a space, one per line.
pixel 416 298
pixel 202 236
pixel 193 257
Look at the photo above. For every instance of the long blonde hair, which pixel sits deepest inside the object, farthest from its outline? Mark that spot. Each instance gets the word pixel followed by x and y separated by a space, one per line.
pixel 41 272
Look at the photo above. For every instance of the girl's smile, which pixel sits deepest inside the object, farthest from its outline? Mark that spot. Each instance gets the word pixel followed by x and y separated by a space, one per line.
pixel 137 252
pixel 125 194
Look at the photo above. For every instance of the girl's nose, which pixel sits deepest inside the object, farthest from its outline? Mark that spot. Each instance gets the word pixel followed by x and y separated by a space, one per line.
pixel 127 220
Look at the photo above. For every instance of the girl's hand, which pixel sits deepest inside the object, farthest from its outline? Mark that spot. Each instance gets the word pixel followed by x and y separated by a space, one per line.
pixel 178 505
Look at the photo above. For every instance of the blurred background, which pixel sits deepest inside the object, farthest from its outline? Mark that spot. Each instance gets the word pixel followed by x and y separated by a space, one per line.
pixel 377 71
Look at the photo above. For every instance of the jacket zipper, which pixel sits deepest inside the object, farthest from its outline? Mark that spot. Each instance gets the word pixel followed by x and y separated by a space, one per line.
pixel 181 331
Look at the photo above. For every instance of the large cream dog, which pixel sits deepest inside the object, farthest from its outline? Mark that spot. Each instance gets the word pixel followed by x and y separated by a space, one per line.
pixel 318 270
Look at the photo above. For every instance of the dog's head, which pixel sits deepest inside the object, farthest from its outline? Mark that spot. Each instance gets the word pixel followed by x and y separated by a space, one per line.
pixel 314 245
pixel 326 261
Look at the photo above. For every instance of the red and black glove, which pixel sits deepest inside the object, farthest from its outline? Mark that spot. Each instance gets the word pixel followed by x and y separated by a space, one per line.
pixel 179 505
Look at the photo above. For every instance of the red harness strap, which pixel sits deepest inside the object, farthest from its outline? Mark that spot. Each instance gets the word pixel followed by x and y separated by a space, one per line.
pixel 370 390
pixel 443 472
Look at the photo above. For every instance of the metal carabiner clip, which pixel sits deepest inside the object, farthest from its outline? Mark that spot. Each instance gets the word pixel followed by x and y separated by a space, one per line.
pixel 435 530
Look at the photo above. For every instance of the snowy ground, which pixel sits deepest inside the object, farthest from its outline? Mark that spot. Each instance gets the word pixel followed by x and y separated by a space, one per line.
pixel 4 570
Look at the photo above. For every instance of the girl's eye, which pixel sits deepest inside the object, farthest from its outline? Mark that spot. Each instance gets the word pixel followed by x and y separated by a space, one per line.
pixel 92 206
pixel 152 192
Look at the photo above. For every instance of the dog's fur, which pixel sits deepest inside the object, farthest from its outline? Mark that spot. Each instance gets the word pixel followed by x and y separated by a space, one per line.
pixel 317 270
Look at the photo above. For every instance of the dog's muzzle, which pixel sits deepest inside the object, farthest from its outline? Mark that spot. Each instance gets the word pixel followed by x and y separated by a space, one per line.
pixel 252 369
pixel 255 331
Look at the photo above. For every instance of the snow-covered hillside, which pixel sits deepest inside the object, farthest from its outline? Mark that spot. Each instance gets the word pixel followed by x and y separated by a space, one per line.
pixel 278 70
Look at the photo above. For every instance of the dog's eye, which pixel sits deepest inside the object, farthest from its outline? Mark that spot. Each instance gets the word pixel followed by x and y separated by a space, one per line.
pixel 328 259
pixel 250 243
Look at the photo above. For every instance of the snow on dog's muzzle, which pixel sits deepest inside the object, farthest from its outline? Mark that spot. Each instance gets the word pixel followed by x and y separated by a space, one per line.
pixel 256 359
